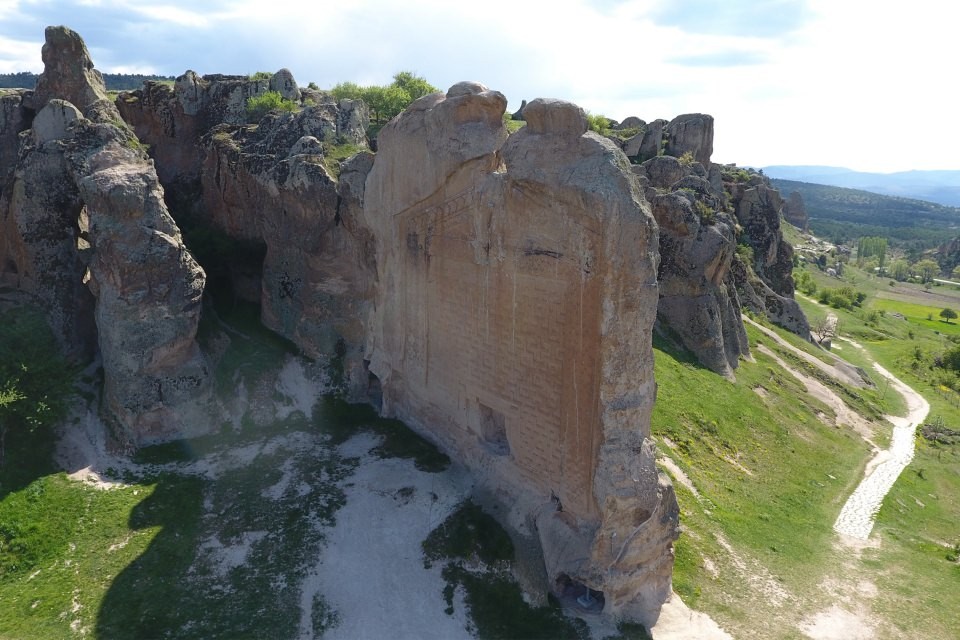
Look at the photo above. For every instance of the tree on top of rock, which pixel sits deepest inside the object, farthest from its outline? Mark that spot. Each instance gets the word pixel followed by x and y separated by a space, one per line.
pixel 386 101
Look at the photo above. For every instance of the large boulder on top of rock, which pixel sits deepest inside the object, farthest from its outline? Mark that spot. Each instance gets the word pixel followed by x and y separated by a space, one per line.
pixel 547 115
pixel 691 133
pixel 539 243
pixel 68 72
pixel 283 83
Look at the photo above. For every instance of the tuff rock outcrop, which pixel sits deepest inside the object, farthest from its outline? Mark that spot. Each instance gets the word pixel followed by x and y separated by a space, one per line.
pixel 274 185
pixel 14 118
pixel 795 211
pixel 765 283
pixel 516 293
pixel 87 232
pixel 698 300
pixel 502 289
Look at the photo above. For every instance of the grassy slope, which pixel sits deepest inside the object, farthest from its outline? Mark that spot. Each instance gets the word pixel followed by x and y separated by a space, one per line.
pixel 776 505
pixel 918 587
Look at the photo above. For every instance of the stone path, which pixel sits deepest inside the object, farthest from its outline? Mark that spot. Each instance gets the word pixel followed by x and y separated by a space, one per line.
pixel 858 514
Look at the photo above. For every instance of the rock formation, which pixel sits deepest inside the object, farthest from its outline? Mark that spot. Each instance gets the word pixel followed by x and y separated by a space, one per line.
pixel 272 191
pixel 85 215
pixel 765 282
pixel 14 118
pixel 503 289
pixel 276 186
pixel 698 301
pixel 795 211
pixel 513 316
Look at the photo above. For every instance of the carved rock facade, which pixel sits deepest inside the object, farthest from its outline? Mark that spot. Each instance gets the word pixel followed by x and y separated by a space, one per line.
pixel 516 296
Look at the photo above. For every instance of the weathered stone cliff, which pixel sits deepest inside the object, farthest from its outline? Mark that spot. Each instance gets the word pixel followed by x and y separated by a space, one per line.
pixel 512 322
pixel 86 230
pixel 276 185
pixel 795 211
pixel 14 118
pixel 765 282
pixel 698 301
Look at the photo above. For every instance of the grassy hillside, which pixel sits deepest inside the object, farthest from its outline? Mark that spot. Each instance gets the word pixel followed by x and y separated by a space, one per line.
pixel 771 473
pixel 845 214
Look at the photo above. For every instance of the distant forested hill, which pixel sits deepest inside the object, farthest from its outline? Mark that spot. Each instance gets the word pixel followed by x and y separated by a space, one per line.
pixel 114 81
pixel 845 214
pixel 942 187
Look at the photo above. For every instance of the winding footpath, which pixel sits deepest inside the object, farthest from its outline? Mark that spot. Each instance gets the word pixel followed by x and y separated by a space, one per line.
pixel 858 514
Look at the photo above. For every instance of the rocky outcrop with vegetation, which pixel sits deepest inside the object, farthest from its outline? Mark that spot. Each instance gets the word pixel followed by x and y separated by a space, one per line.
pixel 698 302
pixel 87 232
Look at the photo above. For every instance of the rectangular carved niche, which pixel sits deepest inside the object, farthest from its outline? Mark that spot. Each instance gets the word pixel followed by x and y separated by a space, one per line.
pixel 493 430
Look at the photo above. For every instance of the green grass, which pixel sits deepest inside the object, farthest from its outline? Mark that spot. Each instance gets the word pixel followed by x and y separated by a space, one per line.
pixel 771 476
pixel 334 155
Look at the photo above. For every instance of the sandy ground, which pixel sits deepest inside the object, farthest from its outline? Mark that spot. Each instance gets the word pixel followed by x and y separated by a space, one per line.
pixel 371 570
pixel 679 622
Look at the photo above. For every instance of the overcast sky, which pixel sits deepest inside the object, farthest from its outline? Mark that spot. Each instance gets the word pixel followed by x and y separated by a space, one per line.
pixel 868 85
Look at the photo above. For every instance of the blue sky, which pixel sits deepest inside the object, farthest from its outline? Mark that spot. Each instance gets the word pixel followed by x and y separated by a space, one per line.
pixel 866 85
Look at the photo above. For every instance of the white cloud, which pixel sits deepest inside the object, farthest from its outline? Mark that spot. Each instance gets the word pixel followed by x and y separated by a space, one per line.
pixel 861 84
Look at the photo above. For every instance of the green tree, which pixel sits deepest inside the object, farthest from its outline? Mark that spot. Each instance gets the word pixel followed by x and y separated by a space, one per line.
pixel 927 269
pixel 900 270
pixel 948 314
pixel 955 274
pixel 35 381
pixel 598 123
pixel 414 85
pixel 347 91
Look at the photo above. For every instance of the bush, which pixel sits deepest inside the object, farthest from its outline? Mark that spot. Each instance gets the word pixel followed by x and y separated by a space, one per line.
pixel 259 106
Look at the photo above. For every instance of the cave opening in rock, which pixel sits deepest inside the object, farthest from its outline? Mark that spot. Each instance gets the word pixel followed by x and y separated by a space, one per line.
pixel 374 388
pixel 576 595
pixel 493 430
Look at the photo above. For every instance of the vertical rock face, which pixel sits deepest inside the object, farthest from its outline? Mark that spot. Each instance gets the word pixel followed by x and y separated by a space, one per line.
pixel 13 120
pixel 274 184
pixel 691 133
pixel 44 251
pixel 795 211
pixel 85 214
pixel 698 301
pixel 517 289
pixel 766 284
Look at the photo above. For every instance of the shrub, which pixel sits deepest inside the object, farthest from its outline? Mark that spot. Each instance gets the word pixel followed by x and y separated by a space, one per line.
pixel 706 213
pixel 259 106
pixel 598 123
pixel 686 159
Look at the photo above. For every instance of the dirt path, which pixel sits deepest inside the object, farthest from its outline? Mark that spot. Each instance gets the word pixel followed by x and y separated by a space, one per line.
pixel 842 371
pixel 844 414
pixel 857 516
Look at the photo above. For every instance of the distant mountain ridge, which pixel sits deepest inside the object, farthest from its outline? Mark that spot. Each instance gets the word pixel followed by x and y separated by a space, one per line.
pixel 113 81
pixel 941 186
pixel 843 214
